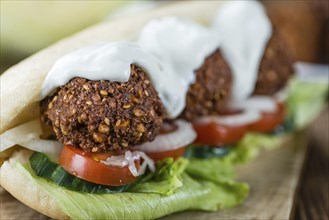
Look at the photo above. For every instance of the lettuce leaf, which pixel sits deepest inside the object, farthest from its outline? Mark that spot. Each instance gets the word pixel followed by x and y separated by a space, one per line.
pixel 165 180
pixel 221 170
pixel 250 147
pixel 215 169
pixel 192 195
pixel 305 101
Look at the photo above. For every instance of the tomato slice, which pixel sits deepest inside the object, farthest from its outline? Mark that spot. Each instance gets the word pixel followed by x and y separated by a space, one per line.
pixel 176 153
pixel 214 134
pixel 269 121
pixel 87 166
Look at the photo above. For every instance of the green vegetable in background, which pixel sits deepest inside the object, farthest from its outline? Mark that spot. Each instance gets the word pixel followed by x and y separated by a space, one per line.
pixel 305 101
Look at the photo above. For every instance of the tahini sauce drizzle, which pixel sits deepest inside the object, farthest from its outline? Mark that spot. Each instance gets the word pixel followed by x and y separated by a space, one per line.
pixel 244 31
pixel 170 51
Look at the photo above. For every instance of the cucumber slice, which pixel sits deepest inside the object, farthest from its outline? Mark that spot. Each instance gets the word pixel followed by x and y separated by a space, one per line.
pixel 286 127
pixel 44 167
pixel 206 152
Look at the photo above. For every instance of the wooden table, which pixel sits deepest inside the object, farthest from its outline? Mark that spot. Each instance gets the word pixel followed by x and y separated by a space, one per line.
pixel 312 200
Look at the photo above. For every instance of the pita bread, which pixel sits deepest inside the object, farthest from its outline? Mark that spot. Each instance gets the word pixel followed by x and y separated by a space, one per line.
pixel 21 84
pixel 14 182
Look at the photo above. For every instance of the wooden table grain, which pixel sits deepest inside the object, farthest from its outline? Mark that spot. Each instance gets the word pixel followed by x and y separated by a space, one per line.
pixel 312 200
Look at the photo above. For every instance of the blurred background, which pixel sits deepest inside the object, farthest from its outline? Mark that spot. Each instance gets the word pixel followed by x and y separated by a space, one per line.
pixel 28 26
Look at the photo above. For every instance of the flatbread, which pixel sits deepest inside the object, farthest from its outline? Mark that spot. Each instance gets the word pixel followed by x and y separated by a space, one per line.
pixel 21 84
pixel 16 183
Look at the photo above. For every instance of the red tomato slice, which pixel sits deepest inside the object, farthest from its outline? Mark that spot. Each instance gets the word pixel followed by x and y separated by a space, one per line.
pixel 214 134
pixel 269 121
pixel 176 153
pixel 87 166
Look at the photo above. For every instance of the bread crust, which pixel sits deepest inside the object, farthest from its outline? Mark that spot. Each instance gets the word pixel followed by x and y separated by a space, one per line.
pixel 15 182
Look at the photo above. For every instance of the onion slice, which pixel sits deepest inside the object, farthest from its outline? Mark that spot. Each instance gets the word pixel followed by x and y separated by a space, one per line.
pixel 251 111
pixel 244 118
pixel 28 135
pixel 310 72
pixel 129 160
pixel 182 136
pixel 256 103
pixel 49 147
pixel 20 134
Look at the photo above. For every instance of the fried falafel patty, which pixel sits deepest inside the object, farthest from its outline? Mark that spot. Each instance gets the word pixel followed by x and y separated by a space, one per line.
pixel 276 66
pixel 102 116
pixel 211 88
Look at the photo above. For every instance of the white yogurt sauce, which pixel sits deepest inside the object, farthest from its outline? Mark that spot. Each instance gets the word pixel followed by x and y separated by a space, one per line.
pixel 102 61
pixel 244 30
pixel 110 61
pixel 181 46
pixel 170 51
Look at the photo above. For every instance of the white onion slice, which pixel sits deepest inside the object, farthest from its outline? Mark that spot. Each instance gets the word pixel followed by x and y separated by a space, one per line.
pixel 28 135
pixel 129 160
pixel 310 72
pixel 244 118
pixel 182 136
pixel 49 147
pixel 256 103
pixel 20 134
pixel 147 162
pixel 251 110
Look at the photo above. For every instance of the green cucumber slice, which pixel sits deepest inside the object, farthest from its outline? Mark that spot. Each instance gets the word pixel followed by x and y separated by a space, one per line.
pixel 44 167
pixel 206 152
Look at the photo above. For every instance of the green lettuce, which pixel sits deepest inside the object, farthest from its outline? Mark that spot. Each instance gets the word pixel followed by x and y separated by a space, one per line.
pixel 165 180
pixel 250 147
pixel 221 170
pixel 214 169
pixel 194 194
pixel 305 101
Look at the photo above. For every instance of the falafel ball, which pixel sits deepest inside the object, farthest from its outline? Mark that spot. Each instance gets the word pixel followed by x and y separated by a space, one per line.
pixel 276 66
pixel 103 116
pixel 211 89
